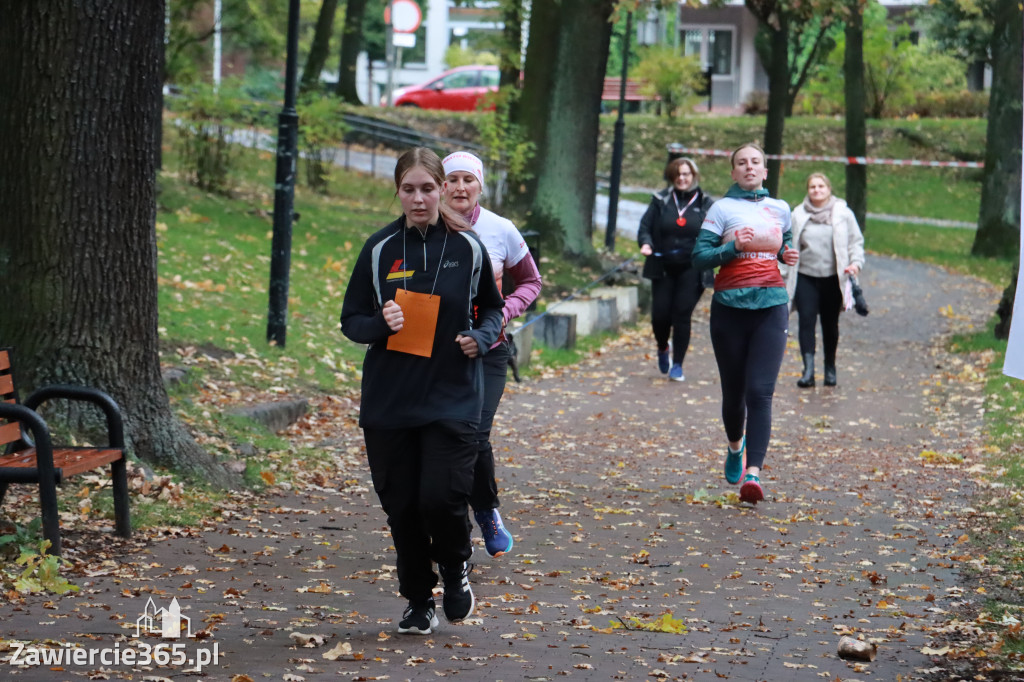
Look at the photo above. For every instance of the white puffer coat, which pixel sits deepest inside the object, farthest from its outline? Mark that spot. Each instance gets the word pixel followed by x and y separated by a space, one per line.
pixel 847 240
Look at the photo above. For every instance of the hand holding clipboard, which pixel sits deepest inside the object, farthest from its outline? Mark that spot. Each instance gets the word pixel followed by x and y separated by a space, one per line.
pixel 413 316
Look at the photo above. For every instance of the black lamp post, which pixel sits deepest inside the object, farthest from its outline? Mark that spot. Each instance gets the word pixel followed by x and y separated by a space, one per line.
pixel 284 190
pixel 620 124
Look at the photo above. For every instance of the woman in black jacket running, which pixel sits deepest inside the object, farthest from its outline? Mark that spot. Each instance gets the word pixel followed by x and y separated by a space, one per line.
pixel 667 234
pixel 422 295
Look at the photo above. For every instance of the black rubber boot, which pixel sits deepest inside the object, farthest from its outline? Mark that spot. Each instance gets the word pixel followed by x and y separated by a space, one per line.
pixel 830 374
pixel 807 380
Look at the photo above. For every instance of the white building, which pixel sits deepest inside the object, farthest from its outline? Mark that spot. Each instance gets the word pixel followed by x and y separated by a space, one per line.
pixel 722 37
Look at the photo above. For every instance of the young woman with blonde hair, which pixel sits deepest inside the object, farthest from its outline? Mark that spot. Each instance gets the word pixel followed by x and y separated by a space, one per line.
pixel 831 251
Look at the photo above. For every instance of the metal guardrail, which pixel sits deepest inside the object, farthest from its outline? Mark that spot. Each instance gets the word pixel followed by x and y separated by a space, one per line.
pixel 401 136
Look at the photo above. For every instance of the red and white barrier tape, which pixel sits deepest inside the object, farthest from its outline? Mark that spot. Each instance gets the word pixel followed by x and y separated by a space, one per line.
pixel 849 160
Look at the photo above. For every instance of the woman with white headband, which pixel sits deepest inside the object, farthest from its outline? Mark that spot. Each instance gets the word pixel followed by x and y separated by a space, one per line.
pixel 464 183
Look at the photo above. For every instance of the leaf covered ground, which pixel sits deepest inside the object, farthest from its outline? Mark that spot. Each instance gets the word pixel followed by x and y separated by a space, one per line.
pixel 633 558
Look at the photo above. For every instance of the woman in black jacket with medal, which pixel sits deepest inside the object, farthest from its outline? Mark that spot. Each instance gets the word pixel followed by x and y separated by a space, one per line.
pixel 423 296
pixel 667 234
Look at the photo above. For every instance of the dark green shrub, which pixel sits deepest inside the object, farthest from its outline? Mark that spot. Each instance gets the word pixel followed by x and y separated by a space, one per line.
pixel 321 131
pixel 959 104
pixel 207 134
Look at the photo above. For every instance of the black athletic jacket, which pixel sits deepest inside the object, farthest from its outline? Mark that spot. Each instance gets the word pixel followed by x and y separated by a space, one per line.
pixel 400 390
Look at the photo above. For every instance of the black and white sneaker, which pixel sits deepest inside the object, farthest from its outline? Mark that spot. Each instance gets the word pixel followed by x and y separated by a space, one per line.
pixel 419 618
pixel 458 595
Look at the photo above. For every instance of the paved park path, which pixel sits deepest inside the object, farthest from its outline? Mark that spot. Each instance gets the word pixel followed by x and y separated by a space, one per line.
pixel 612 483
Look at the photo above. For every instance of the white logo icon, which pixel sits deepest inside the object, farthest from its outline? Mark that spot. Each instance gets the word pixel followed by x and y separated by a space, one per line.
pixel 166 622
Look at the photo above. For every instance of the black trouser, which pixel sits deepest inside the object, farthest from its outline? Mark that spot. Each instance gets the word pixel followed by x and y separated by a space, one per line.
pixel 818 297
pixel 673 298
pixel 749 345
pixel 423 476
pixel 485 488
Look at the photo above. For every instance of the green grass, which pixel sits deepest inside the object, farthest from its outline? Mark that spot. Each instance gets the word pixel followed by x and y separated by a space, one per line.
pixel 947 247
pixel 545 357
pixel 947 193
pixel 215 258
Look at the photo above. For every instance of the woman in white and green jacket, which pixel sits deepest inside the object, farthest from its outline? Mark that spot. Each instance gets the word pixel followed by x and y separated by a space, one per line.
pixel 744 235
pixel 831 250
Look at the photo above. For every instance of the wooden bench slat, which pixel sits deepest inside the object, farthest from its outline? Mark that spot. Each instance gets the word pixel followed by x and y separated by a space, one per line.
pixel 71 461
pixel 9 433
pixel 22 467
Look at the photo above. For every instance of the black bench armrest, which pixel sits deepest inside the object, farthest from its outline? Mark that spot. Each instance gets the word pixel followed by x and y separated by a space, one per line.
pixel 115 423
pixel 30 420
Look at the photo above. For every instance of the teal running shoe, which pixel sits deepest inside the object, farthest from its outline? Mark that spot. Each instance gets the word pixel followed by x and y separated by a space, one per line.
pixel 734 463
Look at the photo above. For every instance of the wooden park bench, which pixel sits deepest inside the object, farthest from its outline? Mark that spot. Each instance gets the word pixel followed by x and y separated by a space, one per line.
pixel 612 86
pixel 30 456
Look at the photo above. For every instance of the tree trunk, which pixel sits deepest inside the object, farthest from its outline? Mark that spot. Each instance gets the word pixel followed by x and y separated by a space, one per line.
pixel 78 290
pixel 320 48
pixel 778 94
pixel 351 43
pixel 563 210
pixel 511 42
pixel 999 217
pixel 1004 311
pixel 976 76
pixel 531 114
pixel 856 123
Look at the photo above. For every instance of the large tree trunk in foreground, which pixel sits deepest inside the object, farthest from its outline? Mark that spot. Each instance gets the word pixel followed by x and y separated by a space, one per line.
pixel 856 118
pixel 563 209
pixel 999 215
pixel 351 42
pixel 78 294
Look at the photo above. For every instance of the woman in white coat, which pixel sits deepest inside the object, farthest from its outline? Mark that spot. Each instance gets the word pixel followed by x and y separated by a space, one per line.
pixel 831 250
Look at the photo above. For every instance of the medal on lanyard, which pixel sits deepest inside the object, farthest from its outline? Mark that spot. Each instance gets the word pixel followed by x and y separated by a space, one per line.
pixel 681 221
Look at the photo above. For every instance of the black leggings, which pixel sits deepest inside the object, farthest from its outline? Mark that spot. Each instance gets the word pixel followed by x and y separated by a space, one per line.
pixel 485 489
pixel 749 345
pixel 673 298
pixel 814 297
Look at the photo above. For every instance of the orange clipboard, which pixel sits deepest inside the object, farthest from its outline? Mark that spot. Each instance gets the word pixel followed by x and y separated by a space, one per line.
pixel 420 314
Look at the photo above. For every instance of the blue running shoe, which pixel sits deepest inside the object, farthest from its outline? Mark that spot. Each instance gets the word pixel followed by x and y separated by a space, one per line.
pixel 676 373
pixel 496 538
pixel 664 362
pixel 734 463
pixel 751 490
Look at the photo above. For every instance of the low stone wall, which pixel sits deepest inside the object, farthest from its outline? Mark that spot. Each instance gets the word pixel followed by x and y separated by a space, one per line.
pixel 558 327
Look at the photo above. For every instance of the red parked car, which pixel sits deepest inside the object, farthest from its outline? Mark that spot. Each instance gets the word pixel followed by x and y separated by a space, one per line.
pixel 458 89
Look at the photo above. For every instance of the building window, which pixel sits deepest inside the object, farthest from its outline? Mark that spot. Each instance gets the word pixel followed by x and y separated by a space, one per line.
pixel 711 46
pixel 720 52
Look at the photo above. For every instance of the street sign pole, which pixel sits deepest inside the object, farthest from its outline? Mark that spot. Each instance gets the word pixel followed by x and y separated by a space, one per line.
pixel 389 52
